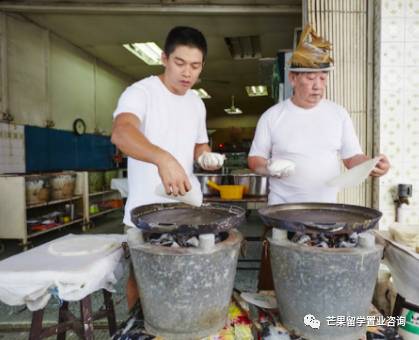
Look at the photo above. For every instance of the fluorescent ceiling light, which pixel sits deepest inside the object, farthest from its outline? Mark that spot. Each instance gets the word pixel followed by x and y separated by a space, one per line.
pixel 148 52
pixel 202 93
pixel 232 110
pixel 257 91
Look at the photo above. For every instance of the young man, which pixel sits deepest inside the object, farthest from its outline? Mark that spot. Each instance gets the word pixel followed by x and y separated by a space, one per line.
pixel 159 124
pixel 298 141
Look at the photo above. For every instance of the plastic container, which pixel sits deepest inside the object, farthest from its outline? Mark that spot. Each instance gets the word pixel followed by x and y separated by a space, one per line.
pixel 96 181
pixel 62 185
pixel 228 192
pixel 37 189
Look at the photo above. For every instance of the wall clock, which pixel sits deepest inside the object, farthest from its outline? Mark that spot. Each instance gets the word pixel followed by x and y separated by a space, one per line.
pixel 79 126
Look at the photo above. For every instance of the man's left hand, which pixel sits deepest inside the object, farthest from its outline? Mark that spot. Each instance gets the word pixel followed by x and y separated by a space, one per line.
pixel 382 167
pixel 211 160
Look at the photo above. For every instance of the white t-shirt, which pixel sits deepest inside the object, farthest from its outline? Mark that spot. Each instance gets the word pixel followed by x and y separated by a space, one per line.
pixel 311 138
pixel 175 123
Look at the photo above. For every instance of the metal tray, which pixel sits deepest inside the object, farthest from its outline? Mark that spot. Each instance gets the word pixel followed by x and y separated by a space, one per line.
pixel 326 218
pixel 167 217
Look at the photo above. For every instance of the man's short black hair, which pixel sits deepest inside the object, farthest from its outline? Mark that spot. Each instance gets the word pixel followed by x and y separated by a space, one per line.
pixel 187 36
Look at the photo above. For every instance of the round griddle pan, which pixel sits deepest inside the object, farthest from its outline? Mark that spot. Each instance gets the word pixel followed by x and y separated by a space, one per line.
pixel 325 218
pixel 168 217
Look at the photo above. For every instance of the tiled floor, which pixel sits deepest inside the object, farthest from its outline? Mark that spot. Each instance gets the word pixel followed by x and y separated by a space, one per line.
pixel 15 320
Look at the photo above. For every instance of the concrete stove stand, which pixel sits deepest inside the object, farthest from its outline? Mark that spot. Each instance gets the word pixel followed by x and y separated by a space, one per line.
pixel 323 282
pixel 185 292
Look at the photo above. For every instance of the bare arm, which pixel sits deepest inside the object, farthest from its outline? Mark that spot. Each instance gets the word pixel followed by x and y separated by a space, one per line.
pixel 355 160
pixel 258 164
pixel 380 169
pixel 199 149
pixel 127 137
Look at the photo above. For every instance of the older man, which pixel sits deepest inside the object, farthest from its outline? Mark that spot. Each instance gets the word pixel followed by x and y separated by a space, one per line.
pixel 298 141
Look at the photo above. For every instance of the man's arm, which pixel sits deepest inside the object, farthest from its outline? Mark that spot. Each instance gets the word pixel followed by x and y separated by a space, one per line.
pixel 127 137
pixel 380 169
pixel 200 149
pixel 258 164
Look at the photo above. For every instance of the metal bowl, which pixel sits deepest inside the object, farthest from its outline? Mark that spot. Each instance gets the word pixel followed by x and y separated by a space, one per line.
pixel 203 179
pixel 255 185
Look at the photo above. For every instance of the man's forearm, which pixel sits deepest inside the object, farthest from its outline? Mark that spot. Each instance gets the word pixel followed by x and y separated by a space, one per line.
pixel 199 149
pixel 258 164
pixel 135 145
pixel 355 160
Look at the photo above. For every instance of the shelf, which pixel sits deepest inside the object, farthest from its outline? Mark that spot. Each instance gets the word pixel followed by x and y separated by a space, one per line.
pixel 37 233
pixel 104 212
pixel 37 205
pixel 102 192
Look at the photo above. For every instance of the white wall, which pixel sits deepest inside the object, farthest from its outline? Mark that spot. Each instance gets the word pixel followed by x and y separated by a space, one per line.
pixel 49 78
pixel 397 102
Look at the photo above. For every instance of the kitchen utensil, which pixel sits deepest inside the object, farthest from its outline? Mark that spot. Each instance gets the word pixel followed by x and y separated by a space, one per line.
pixel 192 197
pixel 167 217
pixel 326 218
pixel 203 178
pixel 354 176
pixel 254 184
pixel 228 192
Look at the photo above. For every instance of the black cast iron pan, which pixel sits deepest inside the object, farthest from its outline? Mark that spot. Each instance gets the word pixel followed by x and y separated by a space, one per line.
pixel 325 218
pixel 168 217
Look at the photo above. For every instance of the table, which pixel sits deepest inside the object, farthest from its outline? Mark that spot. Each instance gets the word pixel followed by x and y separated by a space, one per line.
pixel 32 277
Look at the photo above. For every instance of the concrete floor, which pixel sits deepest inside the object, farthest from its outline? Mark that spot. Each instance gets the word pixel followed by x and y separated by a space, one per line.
pixel 15 320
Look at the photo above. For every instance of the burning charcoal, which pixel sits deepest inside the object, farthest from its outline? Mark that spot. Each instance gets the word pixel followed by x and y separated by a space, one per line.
pixel 353 238
pixel 193 241
pixel 324 238
pixel 296 237
pixel 345 244
pixel 322 244
pixel 304 239
pixel 163 240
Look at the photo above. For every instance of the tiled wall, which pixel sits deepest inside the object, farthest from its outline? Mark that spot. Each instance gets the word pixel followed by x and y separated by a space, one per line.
pixel 12 148
pixel 397 102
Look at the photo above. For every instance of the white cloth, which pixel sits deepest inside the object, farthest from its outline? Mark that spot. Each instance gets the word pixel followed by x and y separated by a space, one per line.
pixel 280 167
pixel 211 160
pixel 30 277
pixel 120 184
pixel 404 266
pixel 174 123
pixel 312 139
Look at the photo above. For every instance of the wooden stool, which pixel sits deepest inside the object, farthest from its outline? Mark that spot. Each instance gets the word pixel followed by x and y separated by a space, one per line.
pixel 82 326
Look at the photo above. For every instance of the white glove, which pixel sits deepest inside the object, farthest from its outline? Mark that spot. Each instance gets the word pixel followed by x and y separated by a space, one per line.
pixel 211 160
pixel 280 167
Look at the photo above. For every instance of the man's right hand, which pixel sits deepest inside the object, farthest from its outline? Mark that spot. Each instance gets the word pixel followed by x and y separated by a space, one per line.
pixel 173 176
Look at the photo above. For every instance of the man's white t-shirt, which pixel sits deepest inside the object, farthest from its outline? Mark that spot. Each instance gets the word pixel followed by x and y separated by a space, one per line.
pixel 313 139
pixel 175 123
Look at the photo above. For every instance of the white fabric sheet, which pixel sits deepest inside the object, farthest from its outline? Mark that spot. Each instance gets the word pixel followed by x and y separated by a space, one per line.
pixel 404 267
pixel 30 277
pixel 120 184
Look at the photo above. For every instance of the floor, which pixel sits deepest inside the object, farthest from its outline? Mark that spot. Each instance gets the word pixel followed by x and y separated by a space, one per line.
pixel 15 320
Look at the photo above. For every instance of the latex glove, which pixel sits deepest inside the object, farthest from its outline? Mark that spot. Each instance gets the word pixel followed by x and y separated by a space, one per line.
pixel 211 160
pixel 280 167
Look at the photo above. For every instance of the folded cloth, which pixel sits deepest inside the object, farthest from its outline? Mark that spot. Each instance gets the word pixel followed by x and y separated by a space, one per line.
pixel 211 160
pixel 280 167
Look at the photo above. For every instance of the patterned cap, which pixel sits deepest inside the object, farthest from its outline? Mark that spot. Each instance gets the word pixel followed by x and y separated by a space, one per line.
pixel 311 55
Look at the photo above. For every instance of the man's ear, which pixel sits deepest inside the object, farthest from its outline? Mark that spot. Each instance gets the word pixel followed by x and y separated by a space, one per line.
pixel 164 58
pixel 291 77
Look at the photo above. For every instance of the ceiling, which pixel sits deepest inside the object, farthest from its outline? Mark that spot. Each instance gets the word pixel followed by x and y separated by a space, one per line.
pixel 101 27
